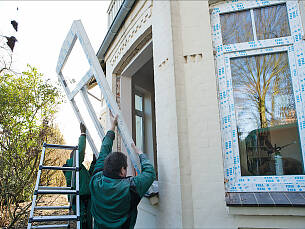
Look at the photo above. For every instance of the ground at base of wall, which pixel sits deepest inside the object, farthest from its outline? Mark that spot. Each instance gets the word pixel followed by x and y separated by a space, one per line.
pixel 48 200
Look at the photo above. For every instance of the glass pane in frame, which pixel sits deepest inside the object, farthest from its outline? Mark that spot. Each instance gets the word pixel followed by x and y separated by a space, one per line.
pixel 76 66
pixel 138 102
pixel 271 22
pixel 236 27
pixel 266 118
pixel 139 133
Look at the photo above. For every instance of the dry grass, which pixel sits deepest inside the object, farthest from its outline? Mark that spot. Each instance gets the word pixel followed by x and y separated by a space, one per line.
pixel 49 200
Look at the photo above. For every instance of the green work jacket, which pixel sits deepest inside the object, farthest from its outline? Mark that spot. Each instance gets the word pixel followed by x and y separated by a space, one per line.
pixel 84 180
pixel 84 174
pixel 114 201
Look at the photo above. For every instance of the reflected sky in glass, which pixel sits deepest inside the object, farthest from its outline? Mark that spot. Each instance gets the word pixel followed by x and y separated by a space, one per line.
pixel 138 103
pixel 236 27
pixel 139 132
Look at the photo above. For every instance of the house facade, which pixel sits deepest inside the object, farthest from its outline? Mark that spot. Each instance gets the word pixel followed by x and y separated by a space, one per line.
pixel 213 92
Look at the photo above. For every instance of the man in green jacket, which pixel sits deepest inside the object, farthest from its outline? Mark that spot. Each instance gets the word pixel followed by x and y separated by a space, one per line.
pixel 84 179
pixel 114 196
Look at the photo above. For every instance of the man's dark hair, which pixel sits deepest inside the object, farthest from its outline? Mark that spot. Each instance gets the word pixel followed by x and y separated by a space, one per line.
pixel 113 164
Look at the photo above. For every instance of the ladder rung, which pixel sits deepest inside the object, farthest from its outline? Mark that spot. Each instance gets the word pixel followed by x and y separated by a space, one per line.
pixel 58 168
pixel 52 218
pixel 51 207
pixel 59 146
pixel 54 191
pixel 52 226
pixel 53 188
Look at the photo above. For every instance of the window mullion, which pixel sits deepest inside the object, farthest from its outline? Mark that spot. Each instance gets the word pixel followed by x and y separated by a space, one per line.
pixel 139 113
pixel 253 25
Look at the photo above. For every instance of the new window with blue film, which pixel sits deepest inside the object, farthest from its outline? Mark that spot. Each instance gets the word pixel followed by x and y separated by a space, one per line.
pixel 266 118
pixel 259 65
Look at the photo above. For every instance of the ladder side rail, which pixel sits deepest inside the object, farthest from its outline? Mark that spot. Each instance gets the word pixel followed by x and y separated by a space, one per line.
pixel 32 212
pixel 71 186
pixel 92 113
pixel 77 190
pixel 36 186
pixel 73 172
pixel 70 208
pixel 72 182
pixel 102 82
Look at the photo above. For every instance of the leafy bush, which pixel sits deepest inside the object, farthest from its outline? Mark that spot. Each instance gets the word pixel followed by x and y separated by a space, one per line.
pixel 27 107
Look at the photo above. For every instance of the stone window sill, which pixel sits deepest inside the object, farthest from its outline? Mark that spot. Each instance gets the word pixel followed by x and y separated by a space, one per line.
pixel 266 211
pixel 265 199
pixel 146 206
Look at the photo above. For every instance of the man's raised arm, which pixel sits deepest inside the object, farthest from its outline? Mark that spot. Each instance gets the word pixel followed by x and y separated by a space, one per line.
pixel 147 176
pixel 106 147
pixel 82 143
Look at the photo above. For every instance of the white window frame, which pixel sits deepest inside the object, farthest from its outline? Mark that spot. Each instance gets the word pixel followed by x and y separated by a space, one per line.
pixel 77 31
pixel 139 114
pixel 295 48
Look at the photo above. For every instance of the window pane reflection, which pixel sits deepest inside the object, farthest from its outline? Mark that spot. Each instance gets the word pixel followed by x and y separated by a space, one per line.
pixel 266 117
pixel 271 22
pixel 139 132
pixel 138 102
pixel 236 27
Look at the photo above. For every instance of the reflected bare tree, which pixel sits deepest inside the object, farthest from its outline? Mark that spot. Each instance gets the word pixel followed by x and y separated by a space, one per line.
pixel 261 81
pixel 236 27
pixel 271 22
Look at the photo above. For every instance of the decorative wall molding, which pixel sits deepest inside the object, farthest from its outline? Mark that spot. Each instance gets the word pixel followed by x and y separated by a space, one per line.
pixel 118 100
pixel 131 35
pixel 133 51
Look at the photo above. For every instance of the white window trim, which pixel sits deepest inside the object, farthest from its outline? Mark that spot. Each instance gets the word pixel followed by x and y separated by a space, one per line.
pixel 295 47
pixel 140 114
